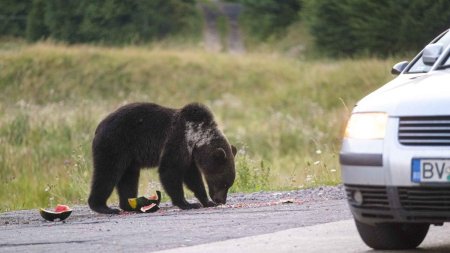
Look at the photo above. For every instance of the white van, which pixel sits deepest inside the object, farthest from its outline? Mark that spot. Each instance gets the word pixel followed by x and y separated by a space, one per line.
pixel 395 155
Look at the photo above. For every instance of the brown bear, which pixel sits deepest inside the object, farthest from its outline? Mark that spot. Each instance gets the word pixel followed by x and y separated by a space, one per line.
pixel 183 143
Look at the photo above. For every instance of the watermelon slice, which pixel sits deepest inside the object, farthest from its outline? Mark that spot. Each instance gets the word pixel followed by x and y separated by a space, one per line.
pixel 60 213
pixel 156 197
pixel 150 208
pixel 142 202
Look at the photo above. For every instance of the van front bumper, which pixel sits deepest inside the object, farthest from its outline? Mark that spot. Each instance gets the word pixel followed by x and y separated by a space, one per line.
pixel 380 204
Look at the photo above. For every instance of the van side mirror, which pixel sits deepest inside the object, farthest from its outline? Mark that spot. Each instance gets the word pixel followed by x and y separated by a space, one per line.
pixel 399 67
pixel 431 53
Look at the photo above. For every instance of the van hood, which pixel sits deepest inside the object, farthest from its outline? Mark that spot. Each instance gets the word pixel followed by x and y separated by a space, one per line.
pixel 411 95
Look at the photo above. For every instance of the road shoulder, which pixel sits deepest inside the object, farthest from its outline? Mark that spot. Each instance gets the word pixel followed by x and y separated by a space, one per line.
pixel 339 236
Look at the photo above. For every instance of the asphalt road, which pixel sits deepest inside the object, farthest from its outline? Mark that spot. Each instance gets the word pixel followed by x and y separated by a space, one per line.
pixel 340 236
pixel 316 220
pixel 244 215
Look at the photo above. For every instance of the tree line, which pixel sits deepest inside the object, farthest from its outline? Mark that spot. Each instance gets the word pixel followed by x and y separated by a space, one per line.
pixel 375 27
pixel 340 28
pixel 107 21
pixel 352 27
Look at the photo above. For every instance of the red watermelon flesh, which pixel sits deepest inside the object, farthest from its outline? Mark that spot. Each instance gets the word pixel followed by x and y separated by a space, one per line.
pixel 61 208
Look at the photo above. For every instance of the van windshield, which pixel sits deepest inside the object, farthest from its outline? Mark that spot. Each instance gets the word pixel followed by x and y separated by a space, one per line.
pixel 418 66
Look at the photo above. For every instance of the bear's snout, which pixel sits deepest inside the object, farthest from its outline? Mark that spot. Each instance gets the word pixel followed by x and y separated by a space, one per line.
pixel 220 197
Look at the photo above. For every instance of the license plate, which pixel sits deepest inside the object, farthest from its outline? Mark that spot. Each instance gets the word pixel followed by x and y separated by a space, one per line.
pixel 430 170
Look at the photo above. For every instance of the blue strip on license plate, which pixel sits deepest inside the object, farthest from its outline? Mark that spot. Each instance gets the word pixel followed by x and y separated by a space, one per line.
pixel 415 170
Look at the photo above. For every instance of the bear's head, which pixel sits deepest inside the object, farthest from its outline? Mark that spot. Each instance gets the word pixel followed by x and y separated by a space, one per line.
pixel 216 161
pixel 210 150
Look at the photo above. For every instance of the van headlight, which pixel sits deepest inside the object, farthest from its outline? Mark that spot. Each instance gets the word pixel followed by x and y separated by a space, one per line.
pixel 371 125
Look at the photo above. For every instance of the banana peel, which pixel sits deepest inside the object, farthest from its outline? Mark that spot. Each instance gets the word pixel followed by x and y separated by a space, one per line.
pixel 144 204
pixel 60 213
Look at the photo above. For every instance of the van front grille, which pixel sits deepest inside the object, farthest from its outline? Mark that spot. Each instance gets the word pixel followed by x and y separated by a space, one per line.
pixel 436 199
pixel 424 131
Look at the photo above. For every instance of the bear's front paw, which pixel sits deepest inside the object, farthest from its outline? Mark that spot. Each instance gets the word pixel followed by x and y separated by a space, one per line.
pixel 187 206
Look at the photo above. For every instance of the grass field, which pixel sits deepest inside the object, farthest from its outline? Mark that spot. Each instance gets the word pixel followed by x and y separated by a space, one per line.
pixel 285 116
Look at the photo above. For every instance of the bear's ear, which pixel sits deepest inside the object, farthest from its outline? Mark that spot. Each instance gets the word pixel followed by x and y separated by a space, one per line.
pixel 220 155
pixel 234 150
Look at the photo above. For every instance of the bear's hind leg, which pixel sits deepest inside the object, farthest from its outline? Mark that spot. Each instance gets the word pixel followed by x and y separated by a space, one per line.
pixel 128 187
pixel 101 189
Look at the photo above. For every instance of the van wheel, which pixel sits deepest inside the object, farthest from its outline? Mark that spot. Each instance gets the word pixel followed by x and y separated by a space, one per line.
pixel 392 235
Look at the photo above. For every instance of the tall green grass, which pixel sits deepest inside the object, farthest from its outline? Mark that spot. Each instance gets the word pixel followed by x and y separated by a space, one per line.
pixel 285 116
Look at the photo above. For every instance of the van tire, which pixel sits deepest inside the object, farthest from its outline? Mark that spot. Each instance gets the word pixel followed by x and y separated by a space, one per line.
pixel 392 236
